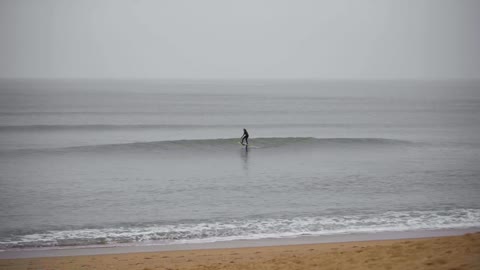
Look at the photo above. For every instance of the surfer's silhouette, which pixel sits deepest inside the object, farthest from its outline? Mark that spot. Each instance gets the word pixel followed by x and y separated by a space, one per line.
pixel 244 137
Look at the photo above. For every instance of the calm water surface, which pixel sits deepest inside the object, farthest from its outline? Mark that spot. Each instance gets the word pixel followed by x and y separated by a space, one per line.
pixel 89 163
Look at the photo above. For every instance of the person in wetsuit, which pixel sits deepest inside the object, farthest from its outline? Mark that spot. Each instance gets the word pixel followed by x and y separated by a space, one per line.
pixel 245 136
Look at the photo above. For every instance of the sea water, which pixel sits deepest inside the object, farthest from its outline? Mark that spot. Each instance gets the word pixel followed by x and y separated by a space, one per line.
pixel 143 162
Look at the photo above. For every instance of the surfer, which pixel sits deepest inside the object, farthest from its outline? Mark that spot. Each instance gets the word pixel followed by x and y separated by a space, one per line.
pixel 244 137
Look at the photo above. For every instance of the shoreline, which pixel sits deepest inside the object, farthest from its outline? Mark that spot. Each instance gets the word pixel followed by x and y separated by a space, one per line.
pixel 229 244
pixel 445 252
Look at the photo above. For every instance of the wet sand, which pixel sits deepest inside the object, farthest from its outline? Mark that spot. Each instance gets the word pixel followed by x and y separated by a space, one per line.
pixel 450 252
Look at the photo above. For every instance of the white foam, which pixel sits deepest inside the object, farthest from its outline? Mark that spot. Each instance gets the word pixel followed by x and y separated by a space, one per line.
pixel 249 229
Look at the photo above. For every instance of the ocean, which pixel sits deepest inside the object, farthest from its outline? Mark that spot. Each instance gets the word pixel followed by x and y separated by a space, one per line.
pixel 105 163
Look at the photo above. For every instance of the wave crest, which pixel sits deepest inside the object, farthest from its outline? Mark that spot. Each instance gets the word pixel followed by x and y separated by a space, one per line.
pixel 232 143
pixel 253 228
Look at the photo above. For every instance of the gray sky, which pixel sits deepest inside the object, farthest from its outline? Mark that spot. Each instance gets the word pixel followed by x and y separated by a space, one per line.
pixel 204 39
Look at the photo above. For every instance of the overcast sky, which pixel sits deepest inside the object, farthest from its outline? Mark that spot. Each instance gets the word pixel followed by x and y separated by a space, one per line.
pixel 204 39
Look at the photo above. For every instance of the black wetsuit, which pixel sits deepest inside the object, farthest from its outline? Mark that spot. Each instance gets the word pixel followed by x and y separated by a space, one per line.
pixel 245 136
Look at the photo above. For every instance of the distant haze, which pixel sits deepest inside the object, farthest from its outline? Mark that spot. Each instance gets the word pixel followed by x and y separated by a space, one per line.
pixel 209 39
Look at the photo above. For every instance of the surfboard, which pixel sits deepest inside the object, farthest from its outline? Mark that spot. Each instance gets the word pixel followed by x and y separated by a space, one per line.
pixel 243 144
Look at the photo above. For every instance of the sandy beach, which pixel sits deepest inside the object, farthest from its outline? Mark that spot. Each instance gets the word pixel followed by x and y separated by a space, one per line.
pixel 451 252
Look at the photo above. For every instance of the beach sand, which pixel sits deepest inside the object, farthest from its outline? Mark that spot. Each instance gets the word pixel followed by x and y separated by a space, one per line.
pixel 452 252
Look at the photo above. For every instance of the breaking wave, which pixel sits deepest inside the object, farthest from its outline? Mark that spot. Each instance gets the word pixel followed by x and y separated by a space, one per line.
pixel 249 228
